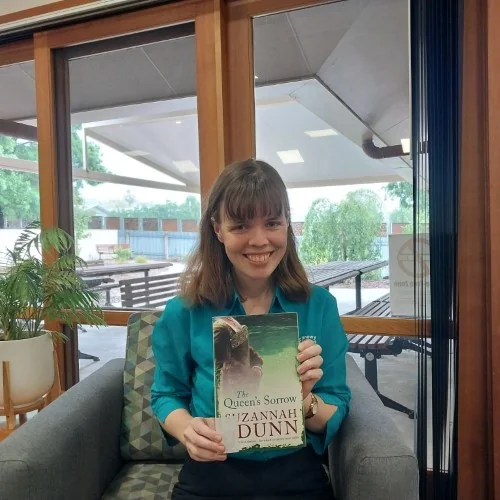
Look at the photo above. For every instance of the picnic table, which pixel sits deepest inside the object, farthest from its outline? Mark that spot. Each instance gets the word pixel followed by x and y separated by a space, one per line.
pixel 373 347
pixel 330 273
pixel 98 279
pixel 99 276
pixel 109 270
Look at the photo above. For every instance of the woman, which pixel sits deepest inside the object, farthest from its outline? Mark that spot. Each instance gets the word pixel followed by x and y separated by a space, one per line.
pixel 247 263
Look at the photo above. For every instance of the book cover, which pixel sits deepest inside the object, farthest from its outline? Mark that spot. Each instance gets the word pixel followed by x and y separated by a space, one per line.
pixel 258 393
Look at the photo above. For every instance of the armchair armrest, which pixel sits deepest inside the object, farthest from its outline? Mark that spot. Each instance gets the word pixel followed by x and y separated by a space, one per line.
pixel 71 449
pixel 368 458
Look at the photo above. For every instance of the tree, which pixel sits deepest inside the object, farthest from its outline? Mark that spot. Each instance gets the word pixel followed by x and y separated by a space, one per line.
pixel 129 198
pixel 319 242
pixel 402 191
pixel 361 218
pixel 343 231
pixel 19 191
pixel 190 208
pixel 402 215
pixel 18 195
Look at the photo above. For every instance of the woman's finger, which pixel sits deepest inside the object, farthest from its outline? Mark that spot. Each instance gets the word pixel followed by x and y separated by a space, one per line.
pixel 202 455
pixel 305 344
pixel 310 352
pixel 204 443
pixel 315 374
pixel 206 427
pixel 310 364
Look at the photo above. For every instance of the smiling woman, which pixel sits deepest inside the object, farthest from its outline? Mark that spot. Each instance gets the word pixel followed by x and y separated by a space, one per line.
pixel 246 223
pixel 246 264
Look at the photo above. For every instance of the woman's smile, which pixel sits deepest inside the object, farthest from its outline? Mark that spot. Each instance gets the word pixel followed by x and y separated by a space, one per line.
pixel 258 258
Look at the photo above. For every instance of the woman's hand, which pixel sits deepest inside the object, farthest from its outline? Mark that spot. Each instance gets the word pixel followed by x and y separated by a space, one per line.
pixel 203 443
pixel 309 368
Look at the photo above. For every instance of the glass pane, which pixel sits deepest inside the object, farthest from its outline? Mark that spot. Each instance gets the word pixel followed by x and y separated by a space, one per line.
pixel 136 166
pixel 333 117
pixel 136 178
pixel 19 189
pixel 97 346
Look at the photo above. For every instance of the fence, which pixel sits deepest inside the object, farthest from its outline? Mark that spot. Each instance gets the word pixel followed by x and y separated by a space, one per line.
pixel 149 224
pixel 159 244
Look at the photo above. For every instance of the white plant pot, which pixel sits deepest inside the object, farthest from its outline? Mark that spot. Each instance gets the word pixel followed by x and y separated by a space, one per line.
pixel 31 369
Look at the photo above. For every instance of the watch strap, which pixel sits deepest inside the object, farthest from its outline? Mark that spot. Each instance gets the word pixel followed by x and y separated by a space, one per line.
pixel 313 407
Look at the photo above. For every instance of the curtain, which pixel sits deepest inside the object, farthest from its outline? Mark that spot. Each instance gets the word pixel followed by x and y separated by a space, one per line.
pixel 435 29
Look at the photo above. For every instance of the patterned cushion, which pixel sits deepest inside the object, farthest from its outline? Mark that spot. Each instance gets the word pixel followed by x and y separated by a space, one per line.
pixel 143 482
pixel 141 436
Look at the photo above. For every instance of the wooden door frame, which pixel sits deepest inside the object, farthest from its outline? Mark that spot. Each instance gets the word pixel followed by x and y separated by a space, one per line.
pixel 17 52
pixel 479 247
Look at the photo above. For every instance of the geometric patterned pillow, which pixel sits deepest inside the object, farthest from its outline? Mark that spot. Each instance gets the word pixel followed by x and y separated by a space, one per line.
pixel 141 435
pixel 143 481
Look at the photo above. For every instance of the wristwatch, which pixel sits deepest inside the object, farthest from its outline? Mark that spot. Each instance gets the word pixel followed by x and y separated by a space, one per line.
pixel 313 407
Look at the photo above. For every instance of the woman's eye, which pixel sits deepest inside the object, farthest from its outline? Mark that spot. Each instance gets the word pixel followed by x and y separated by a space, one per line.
pixel 274 223
pixel 239 227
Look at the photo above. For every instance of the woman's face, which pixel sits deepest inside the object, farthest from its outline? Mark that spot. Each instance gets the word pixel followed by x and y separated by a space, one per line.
pixel 254 247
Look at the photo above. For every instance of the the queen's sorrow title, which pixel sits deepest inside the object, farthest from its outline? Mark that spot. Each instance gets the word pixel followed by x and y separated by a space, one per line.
pixel 262 423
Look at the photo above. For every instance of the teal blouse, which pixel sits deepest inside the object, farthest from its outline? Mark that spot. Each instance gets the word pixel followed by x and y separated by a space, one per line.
pixel 184 373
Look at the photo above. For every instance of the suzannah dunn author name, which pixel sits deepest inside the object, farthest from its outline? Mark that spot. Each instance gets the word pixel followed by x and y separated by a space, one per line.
pixel 269 423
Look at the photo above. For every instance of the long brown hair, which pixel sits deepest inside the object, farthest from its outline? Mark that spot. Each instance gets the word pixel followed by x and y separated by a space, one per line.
pixel 242 189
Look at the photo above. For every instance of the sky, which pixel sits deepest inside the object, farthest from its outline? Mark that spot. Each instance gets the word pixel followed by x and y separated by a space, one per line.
pixel 118 163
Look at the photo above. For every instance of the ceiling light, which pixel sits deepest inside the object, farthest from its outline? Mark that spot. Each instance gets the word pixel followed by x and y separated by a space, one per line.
pixel 256 77
pixel 185 166
pixel 291 156
pixel 136 152
pixel 405 144
pixel 178 122
pixel 321 133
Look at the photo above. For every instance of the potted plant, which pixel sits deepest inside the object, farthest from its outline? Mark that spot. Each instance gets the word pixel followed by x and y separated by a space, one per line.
pixel 31 292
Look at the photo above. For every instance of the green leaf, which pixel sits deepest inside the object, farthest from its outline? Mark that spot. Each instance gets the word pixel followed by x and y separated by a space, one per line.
pixel 48 290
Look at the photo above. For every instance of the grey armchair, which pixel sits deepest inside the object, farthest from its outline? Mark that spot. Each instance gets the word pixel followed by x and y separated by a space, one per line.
pixel 79 448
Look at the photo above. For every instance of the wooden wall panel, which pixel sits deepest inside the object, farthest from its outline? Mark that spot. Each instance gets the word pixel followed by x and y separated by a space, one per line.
pixel 493 224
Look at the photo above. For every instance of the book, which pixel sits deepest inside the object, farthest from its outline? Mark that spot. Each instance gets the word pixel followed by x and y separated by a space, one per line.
pixel 258 393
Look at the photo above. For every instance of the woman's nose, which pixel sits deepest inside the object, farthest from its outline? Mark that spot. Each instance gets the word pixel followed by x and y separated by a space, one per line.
pixel 258 236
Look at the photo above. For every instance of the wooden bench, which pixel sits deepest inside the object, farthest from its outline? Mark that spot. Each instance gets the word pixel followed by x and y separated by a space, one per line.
pixel 109 248
pixel 330 273
pixel 149 291
pixel 96 284
pixel 373 347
